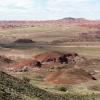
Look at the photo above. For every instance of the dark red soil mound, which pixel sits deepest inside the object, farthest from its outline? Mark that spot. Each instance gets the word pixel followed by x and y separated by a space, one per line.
pixel 72 76
pixel 30 63
pixel 44 57
pixel 53 56
pixel 26 65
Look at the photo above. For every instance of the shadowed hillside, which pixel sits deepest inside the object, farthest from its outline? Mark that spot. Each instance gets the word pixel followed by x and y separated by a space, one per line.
pixel 11 87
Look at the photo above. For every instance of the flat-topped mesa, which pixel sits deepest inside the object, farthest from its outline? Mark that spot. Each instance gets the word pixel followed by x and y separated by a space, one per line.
pixel 24 41
pixel 75 19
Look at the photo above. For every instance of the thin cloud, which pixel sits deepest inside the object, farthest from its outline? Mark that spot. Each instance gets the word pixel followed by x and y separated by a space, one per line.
pixel 48 9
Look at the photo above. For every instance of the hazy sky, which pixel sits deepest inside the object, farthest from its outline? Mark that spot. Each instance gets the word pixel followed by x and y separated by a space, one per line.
pixel 48 9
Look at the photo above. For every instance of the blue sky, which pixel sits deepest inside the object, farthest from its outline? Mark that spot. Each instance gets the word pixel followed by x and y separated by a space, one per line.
pixel 48 9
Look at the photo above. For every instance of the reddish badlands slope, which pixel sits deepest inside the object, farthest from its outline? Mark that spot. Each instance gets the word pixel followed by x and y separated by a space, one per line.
pixel 38 58
pixel 66 21
pixel 24 63
pixel 48 55
pixel 72 76
pixel 45 60
pixel 63 73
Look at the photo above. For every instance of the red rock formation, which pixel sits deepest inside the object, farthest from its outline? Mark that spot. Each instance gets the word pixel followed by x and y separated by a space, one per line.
pixel 48 56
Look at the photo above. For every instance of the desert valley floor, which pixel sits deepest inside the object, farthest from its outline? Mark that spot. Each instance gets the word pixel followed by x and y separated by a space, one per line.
pixel 50 60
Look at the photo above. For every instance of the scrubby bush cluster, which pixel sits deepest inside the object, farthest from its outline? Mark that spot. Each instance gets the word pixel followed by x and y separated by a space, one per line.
pixel 63 89
pixel 25 79
pixel 9 94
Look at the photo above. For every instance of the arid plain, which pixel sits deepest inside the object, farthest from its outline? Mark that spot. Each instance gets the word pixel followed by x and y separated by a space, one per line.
pixel 60 57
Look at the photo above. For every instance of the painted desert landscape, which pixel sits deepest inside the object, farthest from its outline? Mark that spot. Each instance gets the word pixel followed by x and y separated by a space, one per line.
pixel 50 60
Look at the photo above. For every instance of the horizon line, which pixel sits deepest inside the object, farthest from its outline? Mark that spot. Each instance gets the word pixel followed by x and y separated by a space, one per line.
pixel 50 19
